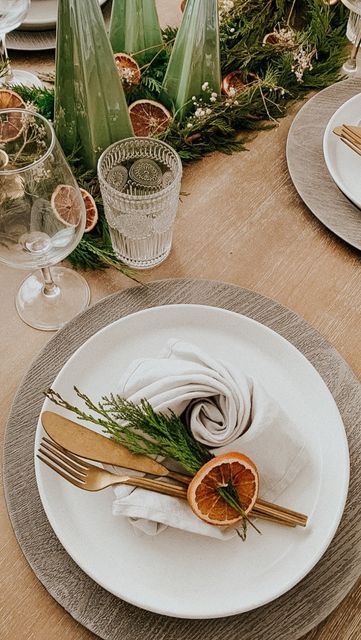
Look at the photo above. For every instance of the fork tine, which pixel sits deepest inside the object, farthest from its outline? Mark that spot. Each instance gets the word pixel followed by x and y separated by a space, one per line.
pixel 66 456
pixel 352 146
pixel 63 475
pixel 351 136
pixel 352 131
pixel 81 477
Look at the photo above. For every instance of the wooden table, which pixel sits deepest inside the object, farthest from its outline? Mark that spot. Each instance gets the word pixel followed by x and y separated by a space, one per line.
pixel 242 222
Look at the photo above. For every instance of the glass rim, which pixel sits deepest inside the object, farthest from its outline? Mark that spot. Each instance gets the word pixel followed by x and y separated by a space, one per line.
pixel 27 112
pixel 152 196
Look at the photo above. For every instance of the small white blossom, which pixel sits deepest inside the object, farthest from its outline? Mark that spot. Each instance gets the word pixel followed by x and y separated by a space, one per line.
pixel 232 30
pixel 212 99
pixel 205 86
pixel 194 98
pixel 214 95
pixel 189 125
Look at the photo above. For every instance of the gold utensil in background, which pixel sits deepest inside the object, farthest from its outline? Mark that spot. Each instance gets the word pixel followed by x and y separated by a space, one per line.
pixel 350 135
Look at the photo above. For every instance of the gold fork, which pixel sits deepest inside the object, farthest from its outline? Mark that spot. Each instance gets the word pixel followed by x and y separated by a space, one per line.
pixel 84 475
pixel 87 476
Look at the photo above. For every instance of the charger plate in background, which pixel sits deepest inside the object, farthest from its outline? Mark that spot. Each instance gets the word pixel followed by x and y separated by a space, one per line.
pixel 35 40
pixel 307 167
pixel 288 617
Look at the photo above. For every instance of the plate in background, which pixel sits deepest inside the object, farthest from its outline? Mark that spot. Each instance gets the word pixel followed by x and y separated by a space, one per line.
pixel 344 164
pixel 42 15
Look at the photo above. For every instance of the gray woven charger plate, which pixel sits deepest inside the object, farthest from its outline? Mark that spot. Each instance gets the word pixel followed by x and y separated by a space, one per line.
pixel 307 166
pixel 287 618
pixel 33 40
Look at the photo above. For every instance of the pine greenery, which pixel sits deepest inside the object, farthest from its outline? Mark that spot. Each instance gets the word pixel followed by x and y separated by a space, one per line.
pixel 316 27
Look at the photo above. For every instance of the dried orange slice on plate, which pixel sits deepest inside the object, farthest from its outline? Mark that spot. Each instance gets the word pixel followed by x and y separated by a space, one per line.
pixel 229 469
pixel 128 69
pixel 91 210
pixel 149 118
pixel 66 205
pixel 11 126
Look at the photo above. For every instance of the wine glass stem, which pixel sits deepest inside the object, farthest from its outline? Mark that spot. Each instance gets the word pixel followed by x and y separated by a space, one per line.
pixel 50 289
pixel 4 59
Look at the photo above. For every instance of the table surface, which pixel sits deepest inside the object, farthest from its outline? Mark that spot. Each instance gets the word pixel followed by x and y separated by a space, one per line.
pixel 241 222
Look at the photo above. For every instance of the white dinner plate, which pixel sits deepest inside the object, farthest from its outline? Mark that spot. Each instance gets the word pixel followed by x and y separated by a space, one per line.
pixel 42 15
pixel 177 573
pixel 344 164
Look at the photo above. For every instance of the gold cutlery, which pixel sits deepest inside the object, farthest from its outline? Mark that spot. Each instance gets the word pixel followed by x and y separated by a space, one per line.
pixel 93 446
pixel 92 478
pixel 350 135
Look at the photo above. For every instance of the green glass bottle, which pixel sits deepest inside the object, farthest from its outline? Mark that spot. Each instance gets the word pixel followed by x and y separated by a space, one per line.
pixel 195 58
pixel 134 29
pixel 90 107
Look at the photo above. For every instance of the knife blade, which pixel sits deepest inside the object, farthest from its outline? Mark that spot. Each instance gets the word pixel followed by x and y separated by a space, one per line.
pixel 93 446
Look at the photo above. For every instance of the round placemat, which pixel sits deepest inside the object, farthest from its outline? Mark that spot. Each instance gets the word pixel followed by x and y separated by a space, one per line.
pixel 287 618
pixel 307 166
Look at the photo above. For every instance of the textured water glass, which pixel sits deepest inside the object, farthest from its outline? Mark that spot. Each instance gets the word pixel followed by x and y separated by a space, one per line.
pixel 42 219
pixel 140 182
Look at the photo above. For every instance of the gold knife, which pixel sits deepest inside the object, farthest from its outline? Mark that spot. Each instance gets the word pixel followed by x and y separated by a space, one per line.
pixel 93 446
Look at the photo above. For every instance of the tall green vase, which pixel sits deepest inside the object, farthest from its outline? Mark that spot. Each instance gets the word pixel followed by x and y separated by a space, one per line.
pixel 134 29
pixel 90 107
pixel 195 57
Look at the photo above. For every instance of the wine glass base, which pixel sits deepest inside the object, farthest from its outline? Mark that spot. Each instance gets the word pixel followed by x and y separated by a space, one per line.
pixel 20 77
pixel 50 313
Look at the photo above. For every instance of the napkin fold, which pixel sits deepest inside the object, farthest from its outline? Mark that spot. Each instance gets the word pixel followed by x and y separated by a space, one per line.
pixel 226 410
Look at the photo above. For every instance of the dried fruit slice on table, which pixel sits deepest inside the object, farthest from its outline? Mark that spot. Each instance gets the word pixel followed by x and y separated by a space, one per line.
pixel 234 471
pixel 128 69
pixel 149 118
pixel 66 206
pixel 11 126
pixel 91 210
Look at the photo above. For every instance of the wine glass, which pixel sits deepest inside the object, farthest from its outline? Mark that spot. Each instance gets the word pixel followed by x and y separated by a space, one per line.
pixel 12 14
pixel 42 219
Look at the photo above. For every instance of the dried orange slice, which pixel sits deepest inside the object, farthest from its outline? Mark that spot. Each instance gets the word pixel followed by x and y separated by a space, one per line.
pixel 227 470
pixel 149 118
pixel 235 82
pixel 66 205
pixel 91 210
pixel 128 69
pixel 11 126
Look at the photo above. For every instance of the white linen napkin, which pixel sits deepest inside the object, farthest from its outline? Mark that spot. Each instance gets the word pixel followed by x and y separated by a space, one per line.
pixel 225 410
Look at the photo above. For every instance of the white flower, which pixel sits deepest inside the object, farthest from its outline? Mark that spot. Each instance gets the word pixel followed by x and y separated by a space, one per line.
pixel 194 98
pixel 208 111
pixel 189 125
pixel 212 99
pixel 232 30
pixel 205 86
pixel 214 95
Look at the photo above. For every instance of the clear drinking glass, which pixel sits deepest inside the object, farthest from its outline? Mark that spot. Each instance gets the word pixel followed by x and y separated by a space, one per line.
pixel 12 14
pixel 140 183
pixel 42 219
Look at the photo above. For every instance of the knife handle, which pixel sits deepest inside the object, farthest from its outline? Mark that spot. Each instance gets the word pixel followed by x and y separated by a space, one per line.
pixel 179 476
pixel 155 485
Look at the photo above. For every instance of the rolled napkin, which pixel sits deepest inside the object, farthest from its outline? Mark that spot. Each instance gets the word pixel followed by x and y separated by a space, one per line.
pixel 226 410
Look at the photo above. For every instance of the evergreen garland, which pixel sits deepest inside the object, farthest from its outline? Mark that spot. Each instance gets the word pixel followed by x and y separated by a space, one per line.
pixel 279 77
